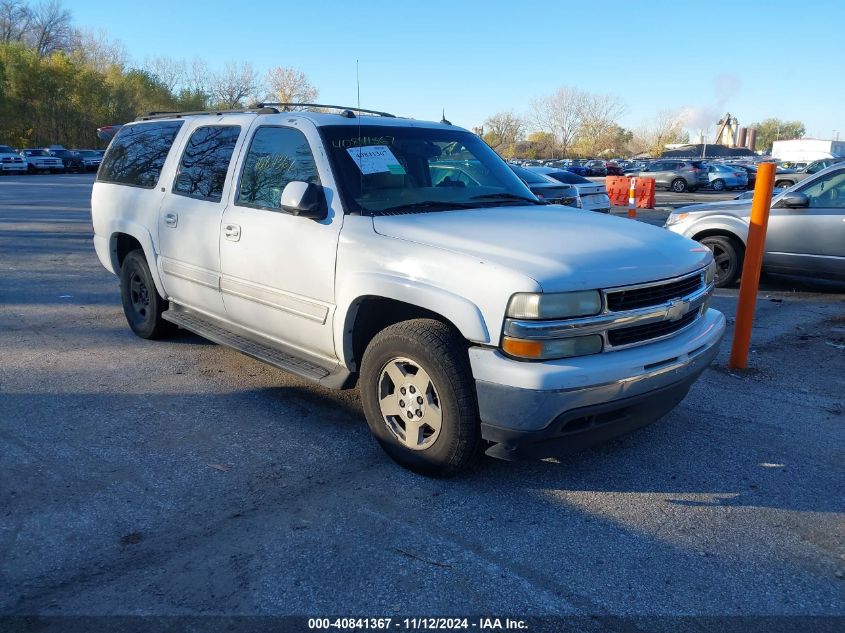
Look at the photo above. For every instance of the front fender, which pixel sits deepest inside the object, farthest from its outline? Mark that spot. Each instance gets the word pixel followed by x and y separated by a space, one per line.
pixel 460 311
pixel 723 223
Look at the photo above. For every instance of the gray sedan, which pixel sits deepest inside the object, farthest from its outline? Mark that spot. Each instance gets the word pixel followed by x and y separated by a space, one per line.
pixel 806 232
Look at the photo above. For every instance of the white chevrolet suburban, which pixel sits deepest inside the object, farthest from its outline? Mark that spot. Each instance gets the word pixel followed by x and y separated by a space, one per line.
pixel 471 315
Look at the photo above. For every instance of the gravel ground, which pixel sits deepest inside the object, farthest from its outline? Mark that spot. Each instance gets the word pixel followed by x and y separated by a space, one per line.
pixel 182 478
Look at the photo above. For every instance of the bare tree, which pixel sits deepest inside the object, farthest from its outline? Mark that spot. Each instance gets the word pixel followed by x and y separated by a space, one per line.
pixel 170 73
pixel 230 87
pixel 559 114
pixel 288 85
pixel 503 130
pixel 97 50
pixel 198 77
pixel 652 137
pixel 599 113
pixel 50 28
pixel 15 20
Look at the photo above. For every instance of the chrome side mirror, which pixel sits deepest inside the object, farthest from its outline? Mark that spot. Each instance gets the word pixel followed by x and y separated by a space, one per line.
pixel 795 201
pixel 304 199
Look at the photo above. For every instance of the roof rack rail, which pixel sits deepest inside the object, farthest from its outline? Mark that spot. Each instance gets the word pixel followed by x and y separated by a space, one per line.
pixel 259 109
pixel 262 108
pixel 345 109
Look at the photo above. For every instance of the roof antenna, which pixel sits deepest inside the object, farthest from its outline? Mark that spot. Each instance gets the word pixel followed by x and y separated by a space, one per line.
pixel 443 119
pixel 360 149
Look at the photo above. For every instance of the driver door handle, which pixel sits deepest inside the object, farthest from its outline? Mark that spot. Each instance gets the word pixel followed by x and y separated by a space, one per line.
pixel 232 232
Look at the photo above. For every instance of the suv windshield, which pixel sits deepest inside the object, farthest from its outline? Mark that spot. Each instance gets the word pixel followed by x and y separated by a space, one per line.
pixel 35 152
pixel 5 149
pixel 393 169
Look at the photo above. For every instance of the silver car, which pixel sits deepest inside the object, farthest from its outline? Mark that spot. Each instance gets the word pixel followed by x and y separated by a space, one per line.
pixel 806 232
pixel 675 174
pixel 593 195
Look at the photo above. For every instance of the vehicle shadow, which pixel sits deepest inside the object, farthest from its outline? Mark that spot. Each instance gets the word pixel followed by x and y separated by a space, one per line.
pixel 690 457
pixel 789 283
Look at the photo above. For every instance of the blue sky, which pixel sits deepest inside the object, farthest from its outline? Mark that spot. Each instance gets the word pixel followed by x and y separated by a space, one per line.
pixel 754 59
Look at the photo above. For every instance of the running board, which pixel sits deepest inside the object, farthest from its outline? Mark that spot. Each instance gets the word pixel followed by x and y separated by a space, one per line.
pixel 248 343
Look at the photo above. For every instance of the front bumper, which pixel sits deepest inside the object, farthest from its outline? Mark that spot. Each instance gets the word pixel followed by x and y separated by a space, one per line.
pixel 558 406
pixel 16 167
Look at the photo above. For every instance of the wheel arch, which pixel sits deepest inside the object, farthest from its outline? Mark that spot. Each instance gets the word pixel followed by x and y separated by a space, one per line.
pixel 390 300
pixel 127 237
pixel 727 225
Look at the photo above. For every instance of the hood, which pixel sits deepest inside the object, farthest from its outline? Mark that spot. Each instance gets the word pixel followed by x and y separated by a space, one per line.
pixel 559 247
pixel 734 207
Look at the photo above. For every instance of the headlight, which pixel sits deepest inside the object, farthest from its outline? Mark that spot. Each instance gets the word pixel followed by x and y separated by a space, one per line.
pixel 560 305
pixel 552 348
pixel 710 273
pixel 675 218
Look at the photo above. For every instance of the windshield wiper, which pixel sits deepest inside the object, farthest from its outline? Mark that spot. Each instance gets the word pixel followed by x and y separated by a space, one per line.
pixel 506 196
pixel 427 205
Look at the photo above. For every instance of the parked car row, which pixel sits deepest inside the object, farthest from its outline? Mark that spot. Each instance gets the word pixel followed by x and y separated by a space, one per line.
pixel 54 159
pixel 576 166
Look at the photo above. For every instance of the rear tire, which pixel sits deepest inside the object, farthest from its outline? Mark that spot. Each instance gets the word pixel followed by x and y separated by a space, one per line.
pixel 142 304
pixel 783 184
pixel 419 397
pixel 729 254
pixel 679 185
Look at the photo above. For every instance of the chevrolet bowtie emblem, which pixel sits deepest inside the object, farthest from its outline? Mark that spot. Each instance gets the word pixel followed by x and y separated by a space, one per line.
pixel 677 309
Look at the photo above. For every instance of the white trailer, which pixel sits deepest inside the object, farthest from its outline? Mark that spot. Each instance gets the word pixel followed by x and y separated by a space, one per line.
pixel 807 149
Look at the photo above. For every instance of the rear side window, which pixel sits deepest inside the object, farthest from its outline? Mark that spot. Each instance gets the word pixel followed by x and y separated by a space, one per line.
pixel 530 177
pixel 568 179
pixel 205 161
pixel 137 154
pixel 276 156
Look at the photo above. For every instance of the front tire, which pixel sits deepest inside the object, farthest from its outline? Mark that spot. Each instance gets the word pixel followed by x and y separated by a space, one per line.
pixel 718 185
pixel 142 304
pixel 783 184
pixel 679 185
pixel 419 397
pixel 728 254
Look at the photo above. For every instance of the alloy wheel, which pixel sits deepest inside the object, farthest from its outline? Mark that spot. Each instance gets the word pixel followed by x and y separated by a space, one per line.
pixel 409 403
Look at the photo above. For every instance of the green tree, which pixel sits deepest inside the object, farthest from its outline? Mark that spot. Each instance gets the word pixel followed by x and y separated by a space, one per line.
pixel 771 130
pixel 503 131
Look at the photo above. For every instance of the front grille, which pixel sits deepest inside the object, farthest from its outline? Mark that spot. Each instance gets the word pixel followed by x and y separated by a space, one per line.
pixel 640 333
pixel 620 300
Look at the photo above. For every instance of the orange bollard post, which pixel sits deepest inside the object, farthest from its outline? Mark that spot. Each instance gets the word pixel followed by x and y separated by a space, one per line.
pixel 632 199
pixel 751 267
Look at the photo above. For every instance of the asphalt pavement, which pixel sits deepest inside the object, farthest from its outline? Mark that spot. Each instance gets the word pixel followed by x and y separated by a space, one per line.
pixel 182 478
